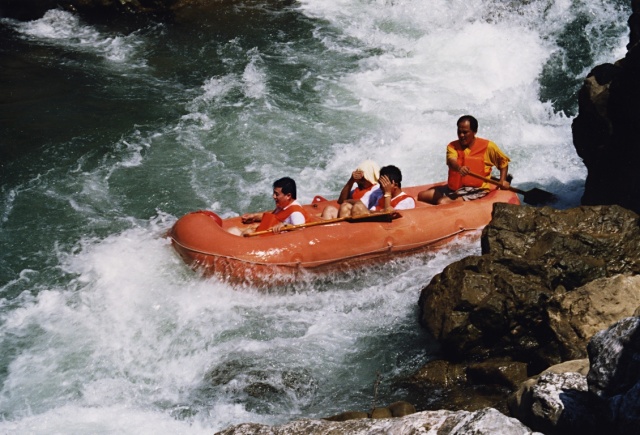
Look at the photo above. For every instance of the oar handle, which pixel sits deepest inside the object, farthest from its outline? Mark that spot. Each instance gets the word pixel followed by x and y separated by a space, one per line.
pixel 295 227
pixel 373 217
pixel 497 183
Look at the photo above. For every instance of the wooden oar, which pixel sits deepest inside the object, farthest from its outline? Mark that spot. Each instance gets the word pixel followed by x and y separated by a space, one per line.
pixel 373 217
pixel 534 196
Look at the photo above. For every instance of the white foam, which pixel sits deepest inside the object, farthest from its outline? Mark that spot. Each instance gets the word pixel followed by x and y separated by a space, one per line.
pixel 134 329
pixel 63 28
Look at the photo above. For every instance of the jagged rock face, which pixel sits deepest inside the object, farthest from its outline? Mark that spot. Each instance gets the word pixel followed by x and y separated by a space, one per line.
pixel 615 359
pixel 487 421
pixel 497 304
pixel 577 316
pixel 606 400
pixel 557 401
pixel 604 132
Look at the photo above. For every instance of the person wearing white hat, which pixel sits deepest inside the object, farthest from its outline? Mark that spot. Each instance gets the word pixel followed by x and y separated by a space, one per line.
pixel 365 177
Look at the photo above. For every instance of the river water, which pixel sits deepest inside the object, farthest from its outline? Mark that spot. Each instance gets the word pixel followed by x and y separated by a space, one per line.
pixel 109 133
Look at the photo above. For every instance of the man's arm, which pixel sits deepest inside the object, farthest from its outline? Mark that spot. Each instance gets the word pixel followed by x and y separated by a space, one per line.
pixel 453 164
pixel 504 184
pixel 248 218
pixel 346 190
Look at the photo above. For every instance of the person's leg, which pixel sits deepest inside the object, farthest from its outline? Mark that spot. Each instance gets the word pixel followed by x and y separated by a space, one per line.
pixel 427 195
pixel 359 209
pixel 433 195
pixel 329 212
pixel 345 209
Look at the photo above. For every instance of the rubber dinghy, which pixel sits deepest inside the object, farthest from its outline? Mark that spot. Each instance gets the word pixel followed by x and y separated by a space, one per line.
pixel 202 240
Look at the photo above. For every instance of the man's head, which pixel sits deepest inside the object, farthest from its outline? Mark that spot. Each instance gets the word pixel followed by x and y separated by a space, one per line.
pixel 393 174
pixel 473 122
pixel 467 129
pixel 288 186
pixel 284 191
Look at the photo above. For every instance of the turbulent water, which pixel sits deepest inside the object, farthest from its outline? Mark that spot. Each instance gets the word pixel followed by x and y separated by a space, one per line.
pixel 109 133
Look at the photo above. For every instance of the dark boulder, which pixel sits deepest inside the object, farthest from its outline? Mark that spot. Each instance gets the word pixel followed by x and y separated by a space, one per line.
pixel 604 130
pixel 604 399
pixel 497 304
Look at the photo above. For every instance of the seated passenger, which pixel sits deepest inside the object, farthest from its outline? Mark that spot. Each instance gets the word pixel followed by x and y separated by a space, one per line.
pixel 366 179
pixel 390 196
pixel 288 211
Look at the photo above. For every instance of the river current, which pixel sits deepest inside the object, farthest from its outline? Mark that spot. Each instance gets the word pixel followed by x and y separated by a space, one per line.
pixel 109 133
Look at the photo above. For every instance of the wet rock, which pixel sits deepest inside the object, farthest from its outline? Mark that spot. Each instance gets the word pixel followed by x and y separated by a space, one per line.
pixel 607 400
pixel 505 373
pixel 576 316
pixel 401 409
pixel 262 390
pixel 441 373
pixel 396 409
pixel 348 415
pixel 381 413
pixel 615 359
pixel 556 401
pixel 469 386
pixel 614 377
pixel 607 106
pixel 486 421
pixel 498 304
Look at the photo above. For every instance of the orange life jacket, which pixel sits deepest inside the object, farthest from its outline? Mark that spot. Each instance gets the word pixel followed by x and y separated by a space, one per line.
pixel 474 160
pixel 277 216
pixel 394 201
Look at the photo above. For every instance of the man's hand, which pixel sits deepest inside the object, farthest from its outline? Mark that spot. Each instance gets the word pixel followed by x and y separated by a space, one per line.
pixel 278 227
pixel 504 185
pixel 386 184
pixel 464 170
pixel 248 218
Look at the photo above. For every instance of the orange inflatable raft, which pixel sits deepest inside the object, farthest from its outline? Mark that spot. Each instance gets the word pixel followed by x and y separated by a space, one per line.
pixel 202 240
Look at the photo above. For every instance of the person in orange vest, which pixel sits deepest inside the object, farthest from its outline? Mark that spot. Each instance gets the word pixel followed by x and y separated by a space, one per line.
pixel 288 210
pixel 468 154
pixel 365 177
pixel 391 197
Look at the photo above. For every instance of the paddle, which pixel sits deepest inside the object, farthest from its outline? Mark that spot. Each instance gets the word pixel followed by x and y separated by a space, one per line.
pixel 534 196
pixel 374 217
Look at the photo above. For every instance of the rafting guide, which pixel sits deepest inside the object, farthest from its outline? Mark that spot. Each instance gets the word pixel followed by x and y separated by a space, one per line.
pixel 468 157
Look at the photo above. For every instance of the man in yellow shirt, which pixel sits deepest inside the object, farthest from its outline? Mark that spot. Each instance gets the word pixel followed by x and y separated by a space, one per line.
pixel 468 154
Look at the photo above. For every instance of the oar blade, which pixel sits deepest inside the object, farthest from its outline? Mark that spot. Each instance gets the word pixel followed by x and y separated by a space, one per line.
pixel 537 196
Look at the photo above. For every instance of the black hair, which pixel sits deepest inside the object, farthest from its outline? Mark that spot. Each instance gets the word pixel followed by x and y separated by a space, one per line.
pixel 393 174
pixel 473 122
pixel 288 185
